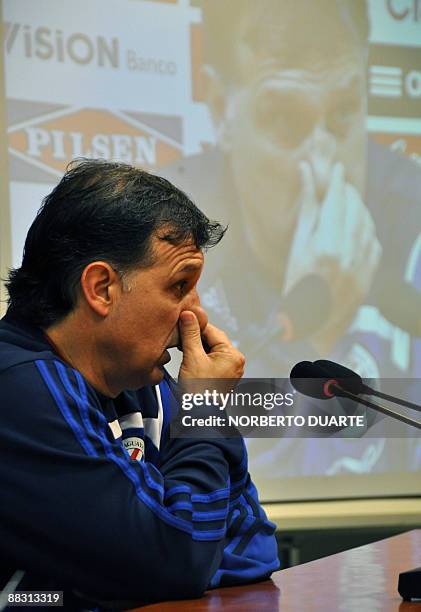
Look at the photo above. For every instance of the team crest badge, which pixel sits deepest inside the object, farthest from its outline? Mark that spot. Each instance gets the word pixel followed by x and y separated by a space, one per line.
pixel 135 448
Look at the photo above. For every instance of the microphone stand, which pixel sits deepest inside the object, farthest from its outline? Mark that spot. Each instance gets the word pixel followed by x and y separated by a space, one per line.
pixel 396 400
pixel 387 411
pixel 409 584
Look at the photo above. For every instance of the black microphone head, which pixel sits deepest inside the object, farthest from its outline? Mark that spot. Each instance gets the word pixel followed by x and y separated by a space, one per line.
pixel 311 290
pixel 347 379
pixel 312 380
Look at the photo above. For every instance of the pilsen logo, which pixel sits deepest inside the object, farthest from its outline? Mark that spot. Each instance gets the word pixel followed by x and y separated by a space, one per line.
pixel 41 146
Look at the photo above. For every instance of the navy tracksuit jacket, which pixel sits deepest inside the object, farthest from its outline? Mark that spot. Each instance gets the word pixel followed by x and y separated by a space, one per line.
pixel 97 500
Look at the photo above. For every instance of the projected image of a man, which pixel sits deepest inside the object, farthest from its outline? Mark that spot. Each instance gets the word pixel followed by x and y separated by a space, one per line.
pixel 289 110
pixel 293 173
pixel 305 193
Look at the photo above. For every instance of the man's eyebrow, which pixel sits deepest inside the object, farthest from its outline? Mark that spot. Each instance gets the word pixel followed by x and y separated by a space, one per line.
pixel 193 267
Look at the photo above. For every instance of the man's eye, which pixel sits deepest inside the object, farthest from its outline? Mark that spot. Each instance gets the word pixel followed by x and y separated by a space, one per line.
pixel 342 118
pixel 181 287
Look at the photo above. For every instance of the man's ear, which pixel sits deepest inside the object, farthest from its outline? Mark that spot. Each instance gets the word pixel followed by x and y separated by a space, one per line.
pixel 215 97
pixel 100 286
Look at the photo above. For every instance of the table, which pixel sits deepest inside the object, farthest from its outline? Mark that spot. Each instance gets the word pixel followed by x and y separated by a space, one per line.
pixel 362 579
pixel 342 514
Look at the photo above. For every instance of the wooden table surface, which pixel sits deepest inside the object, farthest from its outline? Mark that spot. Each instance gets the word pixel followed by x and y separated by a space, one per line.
pixel 362 579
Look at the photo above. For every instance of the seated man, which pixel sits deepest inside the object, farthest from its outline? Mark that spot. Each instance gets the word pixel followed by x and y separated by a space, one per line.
pixel 97 499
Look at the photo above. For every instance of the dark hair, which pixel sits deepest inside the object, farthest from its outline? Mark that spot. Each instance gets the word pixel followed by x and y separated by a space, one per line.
pixel 99 211
pixel 222 18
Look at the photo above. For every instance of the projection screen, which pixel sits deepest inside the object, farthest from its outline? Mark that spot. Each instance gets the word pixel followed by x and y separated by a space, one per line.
pixel 297 124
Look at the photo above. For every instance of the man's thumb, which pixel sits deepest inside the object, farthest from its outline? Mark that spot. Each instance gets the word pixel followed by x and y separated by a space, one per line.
pixel 190 331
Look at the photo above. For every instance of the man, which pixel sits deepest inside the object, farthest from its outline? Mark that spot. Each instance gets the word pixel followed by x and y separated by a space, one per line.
pixel 97 499
pixel 285 83
pixel 306 196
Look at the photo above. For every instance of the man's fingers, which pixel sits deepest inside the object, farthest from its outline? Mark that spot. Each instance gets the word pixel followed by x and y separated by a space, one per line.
pixel 359 232
pixel 193 337
pixel 374 255
pixel 353 229
pixel 190 332
pixel 309 205
pixel 307 221
pixel 216 338
pixel 337 180
pixel 332 229
pixel 333 211
pixel 201 315
pixel 222 361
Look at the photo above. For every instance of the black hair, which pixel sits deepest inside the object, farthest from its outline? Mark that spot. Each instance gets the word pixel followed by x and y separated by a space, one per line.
pixel 100 210
pixel 221 19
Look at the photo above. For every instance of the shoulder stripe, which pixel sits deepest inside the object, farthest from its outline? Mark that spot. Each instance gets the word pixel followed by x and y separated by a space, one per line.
pixel 177 489
pixel 205 498
pixel 128 469
pixel 115 452
pixel 199 515
pixel 64 409
pixel 80 400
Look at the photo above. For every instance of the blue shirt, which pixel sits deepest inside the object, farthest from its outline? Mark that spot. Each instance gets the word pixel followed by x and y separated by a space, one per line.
pixel 99 501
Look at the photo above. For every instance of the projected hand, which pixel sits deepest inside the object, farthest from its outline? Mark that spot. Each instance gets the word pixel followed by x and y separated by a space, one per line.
pixel 336 239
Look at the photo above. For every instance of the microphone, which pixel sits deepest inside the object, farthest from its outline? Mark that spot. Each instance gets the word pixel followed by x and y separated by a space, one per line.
pixel 308 378
pixel 352 382
pixel 296 319
pixel 398 301
pixel 312 380
pixel 347 379
pixel 293 319
pixel 409 584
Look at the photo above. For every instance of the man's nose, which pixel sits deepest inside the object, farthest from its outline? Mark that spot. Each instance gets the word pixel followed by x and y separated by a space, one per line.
pixel 320 152
pixel 193 303
pixel 192 299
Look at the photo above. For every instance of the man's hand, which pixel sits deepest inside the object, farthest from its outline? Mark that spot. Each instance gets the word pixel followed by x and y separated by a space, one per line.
pixel 337 240
pixel 222 360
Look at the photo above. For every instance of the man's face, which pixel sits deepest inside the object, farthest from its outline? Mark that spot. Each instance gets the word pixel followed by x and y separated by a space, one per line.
pixel 303 101
pixel 144 319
